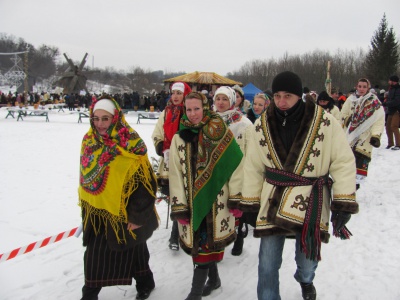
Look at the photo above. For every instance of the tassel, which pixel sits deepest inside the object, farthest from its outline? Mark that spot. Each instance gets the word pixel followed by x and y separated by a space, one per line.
pixel 132 234
pixel 311 242
pixel 304 247
pixel 343 234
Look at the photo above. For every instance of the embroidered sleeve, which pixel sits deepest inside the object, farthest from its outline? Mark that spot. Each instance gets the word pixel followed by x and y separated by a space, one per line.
pixel 177 177
pixel 343 171
pixel 158 133
pixel 253 175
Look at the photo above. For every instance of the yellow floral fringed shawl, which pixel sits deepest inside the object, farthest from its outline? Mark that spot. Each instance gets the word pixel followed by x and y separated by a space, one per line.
pixel 111 169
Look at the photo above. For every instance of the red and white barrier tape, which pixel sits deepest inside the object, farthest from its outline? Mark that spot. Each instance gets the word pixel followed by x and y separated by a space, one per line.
pixel 39 244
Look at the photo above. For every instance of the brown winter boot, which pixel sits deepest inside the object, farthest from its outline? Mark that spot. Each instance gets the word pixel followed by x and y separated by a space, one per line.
pixel 213 281
pixel 199 279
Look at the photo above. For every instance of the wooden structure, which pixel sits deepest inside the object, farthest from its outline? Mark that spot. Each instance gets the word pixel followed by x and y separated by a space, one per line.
pixel 25 112
pixel 209 81
pixel 16 75
pixel 74 79
pixel 147 116
pixel 328 81
pixel 83 115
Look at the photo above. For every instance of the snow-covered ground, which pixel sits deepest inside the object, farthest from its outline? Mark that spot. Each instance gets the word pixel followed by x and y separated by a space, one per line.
pixel 39 164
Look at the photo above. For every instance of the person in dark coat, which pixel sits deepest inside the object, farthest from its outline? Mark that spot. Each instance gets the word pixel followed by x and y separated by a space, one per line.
pixel 393 111
pixel 117 192
pixel 327 103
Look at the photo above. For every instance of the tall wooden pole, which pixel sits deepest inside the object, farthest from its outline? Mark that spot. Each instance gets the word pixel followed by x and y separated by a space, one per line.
pixel 328 82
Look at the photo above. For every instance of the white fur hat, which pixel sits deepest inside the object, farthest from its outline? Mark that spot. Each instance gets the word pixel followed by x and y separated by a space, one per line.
pixel 105 104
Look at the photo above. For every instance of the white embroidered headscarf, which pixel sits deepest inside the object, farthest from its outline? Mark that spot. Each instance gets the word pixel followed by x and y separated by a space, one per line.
pixel 233 118
pixel 227 91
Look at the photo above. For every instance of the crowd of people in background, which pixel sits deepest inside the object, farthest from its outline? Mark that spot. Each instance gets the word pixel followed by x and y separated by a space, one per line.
pixel 132 100
pixel 159 100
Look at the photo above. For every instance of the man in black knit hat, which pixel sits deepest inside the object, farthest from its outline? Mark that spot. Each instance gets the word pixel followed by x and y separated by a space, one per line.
pixel 294 150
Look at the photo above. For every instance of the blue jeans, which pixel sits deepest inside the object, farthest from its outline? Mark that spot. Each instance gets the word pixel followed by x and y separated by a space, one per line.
pixel 270 261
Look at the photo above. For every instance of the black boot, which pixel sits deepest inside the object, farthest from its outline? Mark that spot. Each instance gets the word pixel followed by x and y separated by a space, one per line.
pixel 144 286
pixel 90 293
pixel 213 281
pixel 199 279
pixel 174 239
pixel 144 294
pixel 308 291
pixel 238 245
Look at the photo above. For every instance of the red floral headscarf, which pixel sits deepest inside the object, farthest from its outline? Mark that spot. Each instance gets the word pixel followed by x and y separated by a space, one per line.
pixel 173 114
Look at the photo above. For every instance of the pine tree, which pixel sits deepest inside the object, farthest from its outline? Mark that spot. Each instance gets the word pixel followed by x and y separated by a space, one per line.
pixel 382 59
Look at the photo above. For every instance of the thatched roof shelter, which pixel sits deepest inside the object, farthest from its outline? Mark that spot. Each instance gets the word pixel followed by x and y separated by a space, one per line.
pixel 199 80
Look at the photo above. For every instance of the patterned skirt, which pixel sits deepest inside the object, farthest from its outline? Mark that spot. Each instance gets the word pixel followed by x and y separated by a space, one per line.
pixel 205 254
pixel 106 267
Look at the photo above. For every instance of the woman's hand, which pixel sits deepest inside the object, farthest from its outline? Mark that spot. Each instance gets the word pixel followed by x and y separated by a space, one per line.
pixel 132 226
pixel 236 212
pixel 184 221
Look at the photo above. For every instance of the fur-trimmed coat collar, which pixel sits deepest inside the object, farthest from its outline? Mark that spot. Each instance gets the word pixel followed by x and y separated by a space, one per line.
pixel 288 160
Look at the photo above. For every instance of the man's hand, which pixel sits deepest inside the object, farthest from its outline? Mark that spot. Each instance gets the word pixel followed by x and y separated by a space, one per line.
pixel 339 219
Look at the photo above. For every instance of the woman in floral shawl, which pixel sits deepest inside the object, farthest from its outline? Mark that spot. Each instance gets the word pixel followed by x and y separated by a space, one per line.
pixel 166 127
pixel 117 189
pixel 363 120
pixel 203 162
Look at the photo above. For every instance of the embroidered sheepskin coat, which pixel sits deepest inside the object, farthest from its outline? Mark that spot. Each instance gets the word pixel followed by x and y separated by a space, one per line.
pixel 376 129
pixel 158 137
pixel 239 129
pixel 336 113
pixel 220 222
pixel 320 148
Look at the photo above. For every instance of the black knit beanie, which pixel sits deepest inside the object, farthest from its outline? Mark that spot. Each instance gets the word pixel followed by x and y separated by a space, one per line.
pixel 287 82
pixel 394 78
pixel 323 96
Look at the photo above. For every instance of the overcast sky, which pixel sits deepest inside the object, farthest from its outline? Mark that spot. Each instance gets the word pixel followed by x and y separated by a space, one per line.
pixel 208 35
